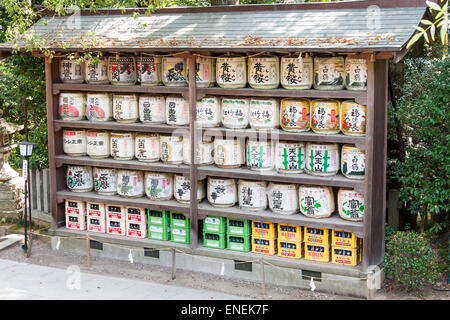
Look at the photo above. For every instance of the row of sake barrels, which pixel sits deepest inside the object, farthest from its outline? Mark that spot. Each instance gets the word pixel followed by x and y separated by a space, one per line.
pixel 259 71
pixel 323 116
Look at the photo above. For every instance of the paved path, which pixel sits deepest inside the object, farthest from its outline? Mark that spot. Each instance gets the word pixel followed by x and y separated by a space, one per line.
pixel 28 281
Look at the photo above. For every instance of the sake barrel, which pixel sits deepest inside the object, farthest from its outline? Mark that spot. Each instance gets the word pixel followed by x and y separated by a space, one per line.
pixel 221 192
pixel 171 149
pixel 329 73
pixel 282 198
pixel 148 70
pixel 147 147
pixel 105 181
pixel 355 74
pixel 122 70
pixel 353 119
pixel 98 144
pixel 235 112
pixel 203 152
pixel 174 71
pixel 296 72
pixel 231 72
pixel 264 113
pixel 322 159
pixel 316 201
pixel 152 109
pixel 290 157
pixel 228 153
pixel 72 105
pixel 74 142
pixel 295 114
pixel 130 184
pixel 205 72
pixel 264 72
pixel 79 178
pixel 350 204
pixel 353 162
pixel 325 116
pixel 96 71
pixel 208 112
pixel 70 71
pixel 182 190
pixel 252 195
pixel 122 145
pixel 158 185
pixel 260 155
pixel 98 106
pixel 125 108
pixel 177 111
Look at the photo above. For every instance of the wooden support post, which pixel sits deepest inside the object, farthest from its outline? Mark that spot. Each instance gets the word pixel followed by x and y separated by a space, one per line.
pixel 88 250
pixel 263 281
pixel 173 264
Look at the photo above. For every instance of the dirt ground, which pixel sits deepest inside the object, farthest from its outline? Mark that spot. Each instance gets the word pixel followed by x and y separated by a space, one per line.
pixel 42 254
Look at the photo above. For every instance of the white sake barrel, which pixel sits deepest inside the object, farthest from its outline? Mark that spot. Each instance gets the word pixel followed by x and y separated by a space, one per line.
pixel 74 142
pixel 177 111
pixel 228 153
pixel 231 72
pixel 182 190
pixel 152 109
pixel 296 72
pixel 99 106
pixel 235 112
pixel 295 114
pixel 322 159
pixel 122 145
pixel 148 70
pixel 290 157
pixel 221 192
pixel 252 195
pixel 316 201
pixel 260 155
pixel 208 112
pixel 147 147
pixel 264 72
pixel 158 185
pixel 353 119
pixel 264 113
pixel 79 178
pixel 353 162
pixel 105 181
pixel 98 144
pixel 130 183
pixel 171 149
pixel 282 198
pixel 174 71
pixel 72 105
pixel 355 74
pixel 96 71
pixel 329 73
pixel 350 204
pixel 205 73
pixel 325 116
pixel 125 108
pixel 203 153
pixel 70 71
pixel 122 70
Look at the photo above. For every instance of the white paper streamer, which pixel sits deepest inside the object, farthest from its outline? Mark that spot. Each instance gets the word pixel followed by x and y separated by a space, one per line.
pixel 130 257
pixel 58 243
pixel 222 270
pixel 312 285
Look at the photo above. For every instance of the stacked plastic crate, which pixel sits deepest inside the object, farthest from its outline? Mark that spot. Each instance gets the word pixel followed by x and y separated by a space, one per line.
pixel 238 235
pixel 214 232
pixel 158 224
pixel 179 228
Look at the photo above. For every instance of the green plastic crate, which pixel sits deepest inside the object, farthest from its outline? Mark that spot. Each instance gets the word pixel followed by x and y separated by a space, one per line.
pixel 238 227
pixel 157 232
pixel 214 240
pixel 158 217
pixel 178 220
pixel 180 235
pixel 239 243
pixel 214 224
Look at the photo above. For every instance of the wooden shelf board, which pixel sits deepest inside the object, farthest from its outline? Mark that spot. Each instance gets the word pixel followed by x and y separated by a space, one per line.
pixel 57 87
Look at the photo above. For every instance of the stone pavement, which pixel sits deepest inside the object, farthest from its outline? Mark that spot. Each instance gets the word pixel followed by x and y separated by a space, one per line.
pixel 19 280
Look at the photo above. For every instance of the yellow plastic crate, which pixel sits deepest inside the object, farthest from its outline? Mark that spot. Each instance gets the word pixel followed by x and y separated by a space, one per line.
pixel 264 246
pixel 346 257
pixel 317 252
pixel 265 230
pixel 290 249
pixel 344 239
pixel 289 232
pixel 319 236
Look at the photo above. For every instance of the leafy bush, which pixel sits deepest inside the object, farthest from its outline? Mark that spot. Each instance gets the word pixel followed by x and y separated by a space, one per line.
pixel 410 261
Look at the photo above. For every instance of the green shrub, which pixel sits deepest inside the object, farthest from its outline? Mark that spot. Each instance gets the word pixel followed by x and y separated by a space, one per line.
pixel 410 261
